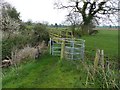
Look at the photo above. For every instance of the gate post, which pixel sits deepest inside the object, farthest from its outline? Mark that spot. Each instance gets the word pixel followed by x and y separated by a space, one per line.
pixel 50 42
pixel 83 49
pixel 97 58
pixel 72 51
pixel 62 49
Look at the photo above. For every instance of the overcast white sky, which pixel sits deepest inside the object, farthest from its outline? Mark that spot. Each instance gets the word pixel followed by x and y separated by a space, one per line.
pixel 38 10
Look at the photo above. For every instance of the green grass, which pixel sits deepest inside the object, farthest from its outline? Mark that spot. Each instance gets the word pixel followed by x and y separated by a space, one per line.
pixel 46 72
pixel 106 40
pixel 49 72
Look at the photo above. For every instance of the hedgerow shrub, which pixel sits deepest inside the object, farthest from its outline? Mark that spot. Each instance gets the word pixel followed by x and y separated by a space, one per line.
pixel 40 34
pixel 34 37
pixel 16 42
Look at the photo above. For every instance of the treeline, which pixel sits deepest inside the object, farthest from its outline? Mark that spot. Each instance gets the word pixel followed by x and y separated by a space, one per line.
pixel 108 26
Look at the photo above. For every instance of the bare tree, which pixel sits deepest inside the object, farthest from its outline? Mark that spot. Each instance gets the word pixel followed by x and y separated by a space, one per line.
pixel 91 10
pixel 74 20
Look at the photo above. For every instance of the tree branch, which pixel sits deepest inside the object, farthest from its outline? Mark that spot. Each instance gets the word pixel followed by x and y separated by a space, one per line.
pixel 99 7
pixel 78 8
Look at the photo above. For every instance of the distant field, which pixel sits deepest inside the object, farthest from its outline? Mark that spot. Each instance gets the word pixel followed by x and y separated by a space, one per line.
pixel 106 40
pixel 106 28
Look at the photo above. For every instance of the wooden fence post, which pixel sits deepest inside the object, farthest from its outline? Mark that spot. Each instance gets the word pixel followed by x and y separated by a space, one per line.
pixel 62 49
pixel 102 58
pixel 97 57
pixel 83 49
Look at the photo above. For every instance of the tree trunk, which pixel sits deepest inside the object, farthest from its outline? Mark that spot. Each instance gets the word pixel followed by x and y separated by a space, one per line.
pixel 85 29
pixel 73 29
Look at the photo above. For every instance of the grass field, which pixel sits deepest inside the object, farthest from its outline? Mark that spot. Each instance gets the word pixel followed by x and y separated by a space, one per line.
pixel 49 72
pixel 106 40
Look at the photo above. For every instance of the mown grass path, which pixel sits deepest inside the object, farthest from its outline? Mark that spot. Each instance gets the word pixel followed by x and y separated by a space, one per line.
pixel 46 72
